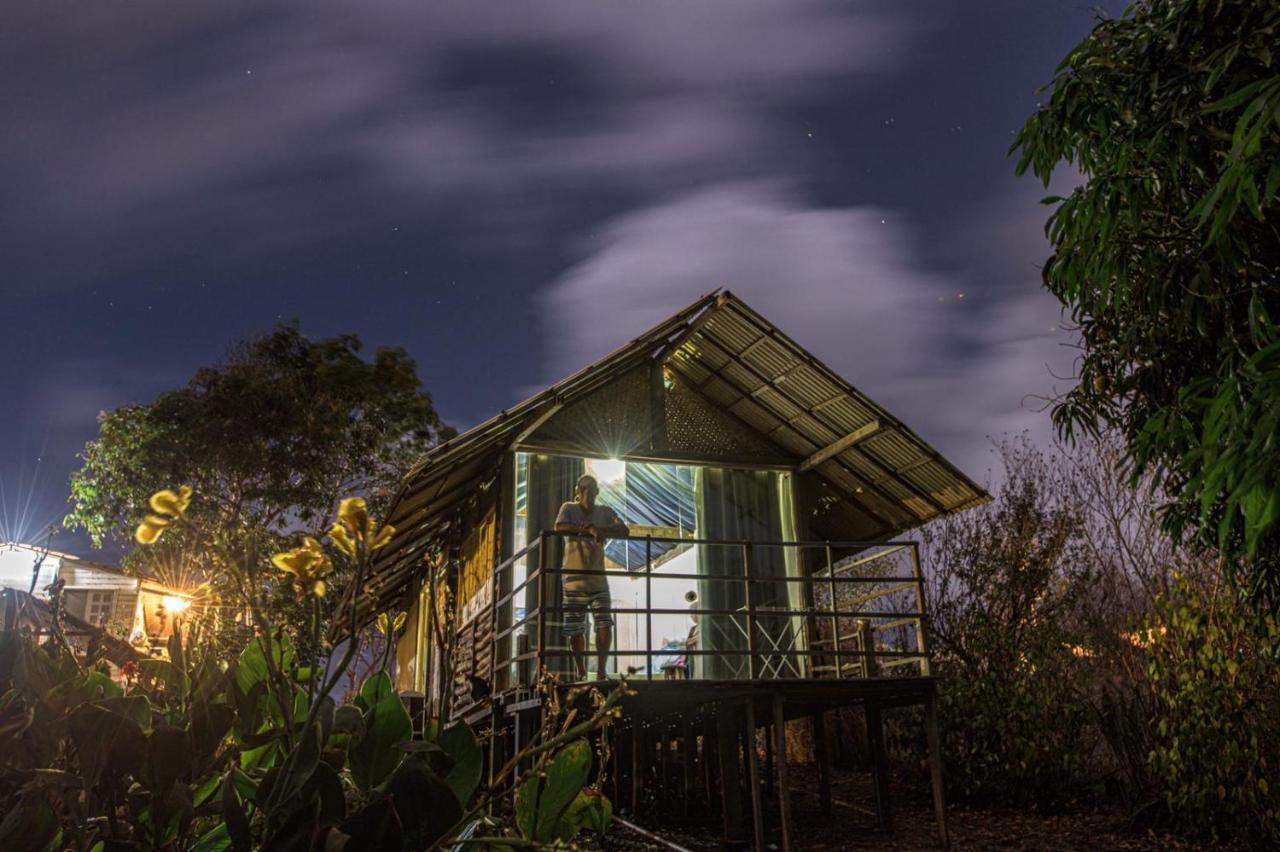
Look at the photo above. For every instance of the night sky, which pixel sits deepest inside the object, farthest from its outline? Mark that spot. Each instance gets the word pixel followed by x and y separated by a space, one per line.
pixel 510 189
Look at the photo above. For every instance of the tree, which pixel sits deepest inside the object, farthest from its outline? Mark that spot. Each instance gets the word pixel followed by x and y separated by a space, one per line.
pixel 1166 257
pixel 273 438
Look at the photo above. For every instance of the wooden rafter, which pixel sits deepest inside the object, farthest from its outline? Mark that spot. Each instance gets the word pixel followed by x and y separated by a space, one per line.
pixel 839 446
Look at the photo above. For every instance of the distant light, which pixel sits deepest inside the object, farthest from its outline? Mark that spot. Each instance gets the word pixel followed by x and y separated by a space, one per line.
pixel 174 604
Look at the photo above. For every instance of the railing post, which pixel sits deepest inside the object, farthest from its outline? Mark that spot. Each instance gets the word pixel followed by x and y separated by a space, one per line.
pixel 922 642
pixel 494 585
pixel 835 607
pixel 751 612
pixel 540 662
pixel 648 606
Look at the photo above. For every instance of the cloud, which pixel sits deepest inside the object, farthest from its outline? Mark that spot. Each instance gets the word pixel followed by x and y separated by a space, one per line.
pixel 844 282
pixel 257 125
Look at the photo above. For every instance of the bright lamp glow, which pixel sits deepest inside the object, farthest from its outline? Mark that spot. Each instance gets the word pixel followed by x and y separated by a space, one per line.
pixel 174 604
pixel 607 471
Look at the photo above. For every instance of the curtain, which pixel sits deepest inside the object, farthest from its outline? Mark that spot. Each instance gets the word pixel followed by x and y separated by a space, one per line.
pixel 552 480
pixel 740 506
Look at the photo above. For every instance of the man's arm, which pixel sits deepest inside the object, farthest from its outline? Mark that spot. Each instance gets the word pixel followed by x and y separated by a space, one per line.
pixel 615 528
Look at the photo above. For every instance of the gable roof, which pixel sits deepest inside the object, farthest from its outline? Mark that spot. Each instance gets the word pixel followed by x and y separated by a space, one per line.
pixel 880 471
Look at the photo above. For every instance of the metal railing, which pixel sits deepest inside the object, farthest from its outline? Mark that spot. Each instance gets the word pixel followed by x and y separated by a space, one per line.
pixel 787 610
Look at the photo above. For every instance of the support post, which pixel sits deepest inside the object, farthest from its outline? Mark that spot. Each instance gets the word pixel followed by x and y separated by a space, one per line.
pixel 835 607
pixel 753 776
pixel 784 784
pixel 635 767
pixel 823 761
pixel 768 754
pixel 687 750
pixel 730 785
pixel 922 641
pixel 708 761
pixel 541 662
pixel 751 612
pixel 879 765
pixel 867 648
pixel 935 766
pixel 648 606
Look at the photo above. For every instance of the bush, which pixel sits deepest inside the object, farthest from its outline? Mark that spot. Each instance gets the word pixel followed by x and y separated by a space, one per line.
pixel 1004 581
pixel 1212 664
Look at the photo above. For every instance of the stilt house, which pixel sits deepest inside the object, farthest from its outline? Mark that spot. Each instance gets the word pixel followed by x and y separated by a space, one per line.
pixel 763 494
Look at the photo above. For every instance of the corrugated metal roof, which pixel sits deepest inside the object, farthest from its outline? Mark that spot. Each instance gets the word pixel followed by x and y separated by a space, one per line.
pixel 748 367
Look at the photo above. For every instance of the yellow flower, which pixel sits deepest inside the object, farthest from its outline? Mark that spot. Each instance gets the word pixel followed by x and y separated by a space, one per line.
pixel 168 507
pixel 150 528
pixel 355 526
pixel 169 503
pixel 389 626
pixel 354 513
pixel 308 564
pixel 341 540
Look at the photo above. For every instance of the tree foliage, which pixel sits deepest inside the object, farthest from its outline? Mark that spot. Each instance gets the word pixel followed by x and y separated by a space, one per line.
pixel 1167 257
pixel 271 438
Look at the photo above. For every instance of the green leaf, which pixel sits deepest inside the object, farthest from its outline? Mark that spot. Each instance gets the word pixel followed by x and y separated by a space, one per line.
pixel 424 802
pixel 372 754
pixel 168 757
pixel 217 839
pixel 165 672
pixel 540 802
pixel 375 828
pixel 459 743
pixel 109 736
pixel 233 814
pixel 30 824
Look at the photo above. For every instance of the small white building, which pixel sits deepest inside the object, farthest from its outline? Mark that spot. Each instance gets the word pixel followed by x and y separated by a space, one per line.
pixel 136 608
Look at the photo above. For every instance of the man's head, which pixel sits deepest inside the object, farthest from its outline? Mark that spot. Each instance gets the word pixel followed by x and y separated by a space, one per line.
pixel 587 490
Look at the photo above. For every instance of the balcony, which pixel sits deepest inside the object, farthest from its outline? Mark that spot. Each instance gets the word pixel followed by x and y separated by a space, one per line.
pixel 712 610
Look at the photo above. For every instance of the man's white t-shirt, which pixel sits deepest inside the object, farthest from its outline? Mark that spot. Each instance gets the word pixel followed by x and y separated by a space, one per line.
pixel 585 553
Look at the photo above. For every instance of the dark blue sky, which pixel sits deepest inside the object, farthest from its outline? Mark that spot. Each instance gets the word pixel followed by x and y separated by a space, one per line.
pixel 510 189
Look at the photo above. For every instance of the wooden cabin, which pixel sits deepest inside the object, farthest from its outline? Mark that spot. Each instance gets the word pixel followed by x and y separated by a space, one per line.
pixel 762 580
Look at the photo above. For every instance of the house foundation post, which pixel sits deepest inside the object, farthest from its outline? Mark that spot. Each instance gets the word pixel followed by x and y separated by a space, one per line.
pixel 780 757
pixel 823 761
pixel 879 764
pixel 935 765
pixel 730 784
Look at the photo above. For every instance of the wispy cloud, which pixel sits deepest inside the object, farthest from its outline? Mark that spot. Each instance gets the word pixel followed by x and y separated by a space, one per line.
pixel 845 283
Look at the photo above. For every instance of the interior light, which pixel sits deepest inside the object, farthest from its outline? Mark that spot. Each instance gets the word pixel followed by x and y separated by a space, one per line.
pixel 607 471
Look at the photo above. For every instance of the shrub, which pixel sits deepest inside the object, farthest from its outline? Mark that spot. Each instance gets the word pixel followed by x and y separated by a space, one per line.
pixel 1213 666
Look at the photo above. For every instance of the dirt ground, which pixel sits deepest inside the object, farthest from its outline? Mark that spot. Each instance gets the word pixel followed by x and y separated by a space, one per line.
pixel 852 824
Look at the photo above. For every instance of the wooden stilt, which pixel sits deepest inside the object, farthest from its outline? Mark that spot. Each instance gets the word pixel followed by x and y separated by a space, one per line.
pixel 663 790
pixel 823 761
pixel 635 768
pixel 753 776
pixel 688 754
pixel 768 757
pixel 708 761
pixel 780 757
pixel 935 766
pixel 879 764
pixel 730 786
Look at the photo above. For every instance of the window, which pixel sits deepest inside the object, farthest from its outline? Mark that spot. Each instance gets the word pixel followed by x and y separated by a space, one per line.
pixel 100 608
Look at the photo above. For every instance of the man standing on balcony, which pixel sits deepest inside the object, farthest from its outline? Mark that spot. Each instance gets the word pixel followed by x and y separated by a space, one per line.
pixel 591 524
